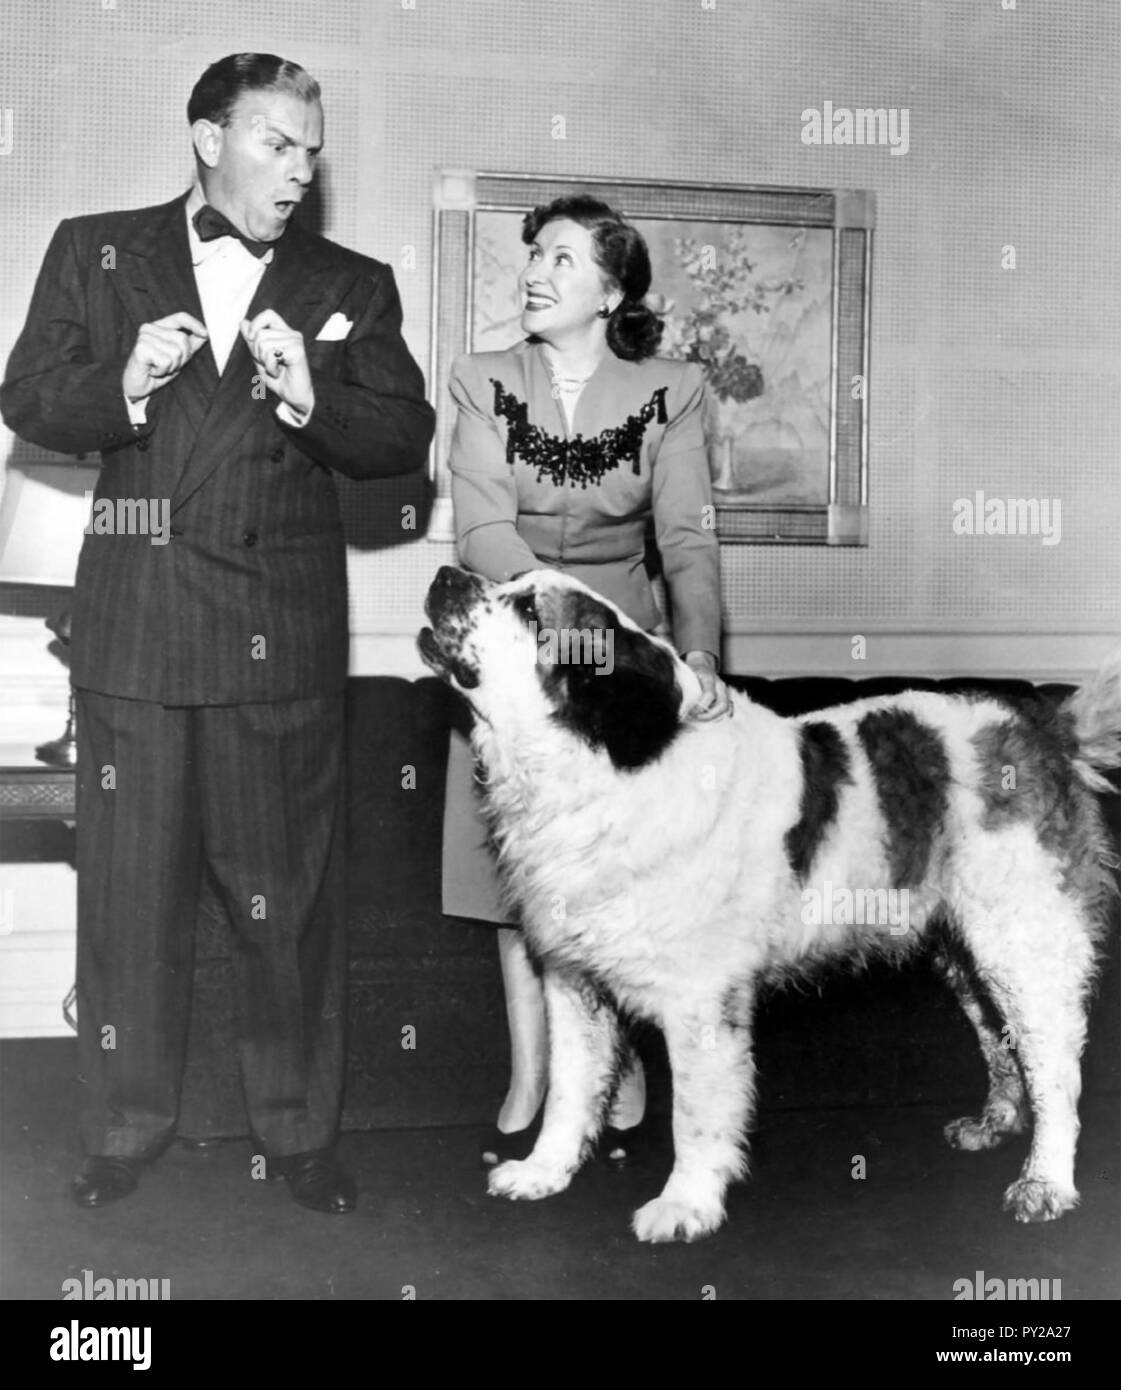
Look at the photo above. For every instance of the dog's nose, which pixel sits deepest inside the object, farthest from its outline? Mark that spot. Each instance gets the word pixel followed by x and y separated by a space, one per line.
pixel 451 583
pixel 451 591
pixel 450 580
pixel 448 577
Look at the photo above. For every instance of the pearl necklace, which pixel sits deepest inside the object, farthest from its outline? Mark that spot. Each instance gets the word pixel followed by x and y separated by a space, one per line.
pixel 565 383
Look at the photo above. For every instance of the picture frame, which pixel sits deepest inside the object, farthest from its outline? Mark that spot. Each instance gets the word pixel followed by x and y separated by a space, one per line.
pixel 768 288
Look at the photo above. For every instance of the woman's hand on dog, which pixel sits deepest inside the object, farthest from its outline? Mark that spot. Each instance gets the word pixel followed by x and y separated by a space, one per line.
pixel 715 701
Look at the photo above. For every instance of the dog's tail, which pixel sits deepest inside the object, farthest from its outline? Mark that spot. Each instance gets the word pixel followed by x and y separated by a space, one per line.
pixel 1096 710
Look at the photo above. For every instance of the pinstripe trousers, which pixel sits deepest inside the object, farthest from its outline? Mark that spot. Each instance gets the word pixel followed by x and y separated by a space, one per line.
pixel 256 793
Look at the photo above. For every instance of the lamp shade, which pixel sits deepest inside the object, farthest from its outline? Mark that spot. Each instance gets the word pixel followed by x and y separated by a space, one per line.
pixel 43 517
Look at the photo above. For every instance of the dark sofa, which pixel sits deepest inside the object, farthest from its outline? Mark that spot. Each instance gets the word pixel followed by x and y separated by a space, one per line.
pixel 427 1025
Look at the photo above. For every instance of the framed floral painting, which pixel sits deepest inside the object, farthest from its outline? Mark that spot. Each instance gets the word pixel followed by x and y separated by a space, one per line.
pixel 768 289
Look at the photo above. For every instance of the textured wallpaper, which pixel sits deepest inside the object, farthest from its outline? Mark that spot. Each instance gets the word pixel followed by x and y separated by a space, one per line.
pixel 995 366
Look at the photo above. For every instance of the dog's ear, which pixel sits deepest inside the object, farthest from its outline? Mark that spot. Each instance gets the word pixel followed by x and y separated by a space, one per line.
pixel 631 709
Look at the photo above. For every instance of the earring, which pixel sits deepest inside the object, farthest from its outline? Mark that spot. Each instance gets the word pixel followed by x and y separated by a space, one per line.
pixel 603 312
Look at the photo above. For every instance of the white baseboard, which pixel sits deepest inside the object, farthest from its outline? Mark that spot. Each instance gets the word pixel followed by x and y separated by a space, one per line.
pixel 800 647
pixel 1042 652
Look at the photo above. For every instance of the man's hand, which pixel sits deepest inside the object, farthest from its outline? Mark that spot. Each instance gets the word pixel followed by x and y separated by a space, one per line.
pixel 280 353
pixel 161 351
pixel 715 701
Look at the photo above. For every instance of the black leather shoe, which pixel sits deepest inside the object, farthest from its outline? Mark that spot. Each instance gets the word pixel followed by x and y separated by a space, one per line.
pixel 103 1180
pixel 318 1180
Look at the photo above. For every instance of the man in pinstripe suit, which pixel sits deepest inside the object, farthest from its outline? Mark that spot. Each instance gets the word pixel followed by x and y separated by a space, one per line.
pixel 223 361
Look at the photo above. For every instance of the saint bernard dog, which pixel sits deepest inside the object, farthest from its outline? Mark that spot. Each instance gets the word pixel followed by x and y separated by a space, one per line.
pixel 666 868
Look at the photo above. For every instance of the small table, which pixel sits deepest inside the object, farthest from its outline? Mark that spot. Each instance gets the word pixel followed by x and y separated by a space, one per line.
pixel 30 790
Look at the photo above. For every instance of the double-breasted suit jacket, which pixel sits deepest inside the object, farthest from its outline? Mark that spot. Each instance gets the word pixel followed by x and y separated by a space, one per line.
pixel 210 669
pixel 257 547
pixel 531 491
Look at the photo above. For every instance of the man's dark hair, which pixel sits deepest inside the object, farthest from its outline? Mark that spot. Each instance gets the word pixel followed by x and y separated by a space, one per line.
pixel 217 91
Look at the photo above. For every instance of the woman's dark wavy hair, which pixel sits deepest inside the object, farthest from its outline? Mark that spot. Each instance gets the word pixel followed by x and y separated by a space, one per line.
pixel 216 92
pixel 633 330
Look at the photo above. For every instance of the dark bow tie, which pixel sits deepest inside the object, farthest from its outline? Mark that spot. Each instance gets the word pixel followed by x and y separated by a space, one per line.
pixel 211 224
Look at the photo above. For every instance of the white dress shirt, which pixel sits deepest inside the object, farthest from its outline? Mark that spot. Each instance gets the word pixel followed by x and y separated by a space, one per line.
pixel 227 276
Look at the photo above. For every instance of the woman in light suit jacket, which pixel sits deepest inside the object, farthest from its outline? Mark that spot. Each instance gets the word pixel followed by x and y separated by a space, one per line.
pixel 565 446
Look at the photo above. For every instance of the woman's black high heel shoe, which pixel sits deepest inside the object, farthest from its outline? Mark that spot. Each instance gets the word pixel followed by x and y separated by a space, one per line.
pixel 620 1147
pixel 617 1147
pixel 501 1148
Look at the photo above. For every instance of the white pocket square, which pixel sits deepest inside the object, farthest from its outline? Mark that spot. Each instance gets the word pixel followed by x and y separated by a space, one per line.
pixel 335 329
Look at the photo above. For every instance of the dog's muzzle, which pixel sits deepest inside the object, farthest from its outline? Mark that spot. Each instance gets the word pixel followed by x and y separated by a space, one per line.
pixel 451 595
pixel 448 604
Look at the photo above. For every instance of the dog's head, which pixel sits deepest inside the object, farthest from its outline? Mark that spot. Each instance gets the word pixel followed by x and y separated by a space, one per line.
pixel 545 646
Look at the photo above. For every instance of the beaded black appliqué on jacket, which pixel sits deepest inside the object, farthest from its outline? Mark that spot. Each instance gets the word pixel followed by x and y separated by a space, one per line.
pixel 577 460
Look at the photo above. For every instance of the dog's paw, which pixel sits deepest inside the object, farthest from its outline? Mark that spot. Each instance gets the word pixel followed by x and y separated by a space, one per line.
pixel 1034 1199
pixel 665 1219
pixel 526 1179
pixel 1003 1115
pixel 974 1134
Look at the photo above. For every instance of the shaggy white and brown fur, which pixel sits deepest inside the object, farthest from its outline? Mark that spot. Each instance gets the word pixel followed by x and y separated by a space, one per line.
pixel 666 868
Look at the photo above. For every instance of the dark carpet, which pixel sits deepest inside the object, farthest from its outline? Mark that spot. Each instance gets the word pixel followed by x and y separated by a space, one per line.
pixel 800 1228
